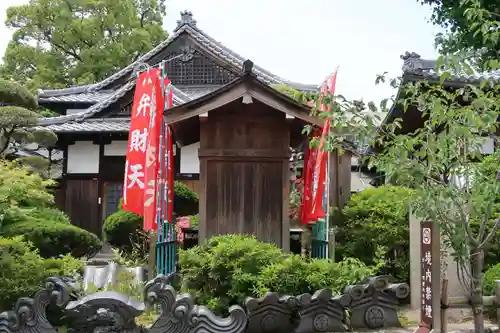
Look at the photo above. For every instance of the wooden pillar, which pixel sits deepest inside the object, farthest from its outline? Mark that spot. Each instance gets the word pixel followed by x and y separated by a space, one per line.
pixel 285 224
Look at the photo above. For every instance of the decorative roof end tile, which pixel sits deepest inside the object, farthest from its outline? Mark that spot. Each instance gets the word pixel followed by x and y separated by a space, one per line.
pixel 186 18
pixel 413 62
pixel 247 67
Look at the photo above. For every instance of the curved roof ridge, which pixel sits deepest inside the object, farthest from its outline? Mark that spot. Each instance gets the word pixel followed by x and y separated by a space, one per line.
pixel 206 40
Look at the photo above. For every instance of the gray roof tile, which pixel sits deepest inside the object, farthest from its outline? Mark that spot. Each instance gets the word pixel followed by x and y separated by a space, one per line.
pixel 414 64
pixel 85 97
pixel 92 126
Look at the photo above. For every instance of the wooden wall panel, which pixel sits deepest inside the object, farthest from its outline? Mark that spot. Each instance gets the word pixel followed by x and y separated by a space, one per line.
pixel 345 177
pixel 82 204
pixel 244 153
pixel 245 198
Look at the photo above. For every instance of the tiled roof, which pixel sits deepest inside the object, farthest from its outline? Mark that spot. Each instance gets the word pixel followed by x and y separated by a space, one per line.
pixel 415 68
pixel 85 97
pixel 92 125
pixel 77 118
pixel 414 65
pixel 102 97
pixel 96 92
pixel 195 92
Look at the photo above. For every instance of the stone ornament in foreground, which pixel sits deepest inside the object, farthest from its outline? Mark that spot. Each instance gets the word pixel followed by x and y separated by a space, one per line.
pixel 372 305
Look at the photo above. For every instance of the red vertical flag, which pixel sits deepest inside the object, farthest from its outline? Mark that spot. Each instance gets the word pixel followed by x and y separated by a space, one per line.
pixel 151 159
pixel 315 166
pixel 134 181
pixel 319 175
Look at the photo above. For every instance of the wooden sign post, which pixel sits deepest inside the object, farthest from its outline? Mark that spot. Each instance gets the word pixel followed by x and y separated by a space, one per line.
pixel 426 273
pixel 429 276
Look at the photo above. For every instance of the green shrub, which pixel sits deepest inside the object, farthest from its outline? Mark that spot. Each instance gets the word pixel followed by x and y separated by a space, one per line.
pixel 374 218
pixel 53 239
pixel 23 271
pixel 228 269
pixel 225 270
pixel 185 200
pixel 295 275
pixel 120 226
pixel 489 286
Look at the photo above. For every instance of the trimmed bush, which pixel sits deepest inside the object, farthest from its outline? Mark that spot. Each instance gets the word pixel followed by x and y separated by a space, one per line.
pixel 185 200
pixel 23 271
pixel 304 276
pixel 373 220
pixel 225 270
pixel 120 226
pixel 489 287
pixel 228 269
pixel 53 239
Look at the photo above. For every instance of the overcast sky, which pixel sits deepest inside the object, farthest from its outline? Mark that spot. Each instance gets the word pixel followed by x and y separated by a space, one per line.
pixel 305 40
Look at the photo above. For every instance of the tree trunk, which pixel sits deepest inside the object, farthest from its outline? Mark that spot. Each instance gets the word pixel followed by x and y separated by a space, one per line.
pixel 477 264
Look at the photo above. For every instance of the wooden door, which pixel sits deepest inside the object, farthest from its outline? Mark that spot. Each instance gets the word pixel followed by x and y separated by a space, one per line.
pixel 82 204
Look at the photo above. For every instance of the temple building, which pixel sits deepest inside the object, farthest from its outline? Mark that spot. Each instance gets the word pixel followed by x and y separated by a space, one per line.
pixel 233 134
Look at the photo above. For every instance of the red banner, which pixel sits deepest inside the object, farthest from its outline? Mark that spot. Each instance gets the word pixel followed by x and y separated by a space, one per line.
pixel 315 166
pixel 134 181
pixel 151 158
pixel 320 176
pixel 308 172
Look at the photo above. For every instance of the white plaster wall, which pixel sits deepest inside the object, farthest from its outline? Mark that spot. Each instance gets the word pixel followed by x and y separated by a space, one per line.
pixel 488 146
pixel 116 148
pixel 83 157
pixel 190 162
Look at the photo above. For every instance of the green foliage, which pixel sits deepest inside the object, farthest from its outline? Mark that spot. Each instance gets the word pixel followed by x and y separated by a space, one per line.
pixel 490 276
pixel 489 287
pixel 23 271
pixel 12 93
pixel 120 226
pixel 295 275
pixel 27 208
pixel 229 268
pixel 17 113
pixel 440 158
pixel 60 43
pixel 459 17
pixel 22 189
pixel 52 238
pixel 185 200
pixel 374 218
pixel 225 270
pixel 122 229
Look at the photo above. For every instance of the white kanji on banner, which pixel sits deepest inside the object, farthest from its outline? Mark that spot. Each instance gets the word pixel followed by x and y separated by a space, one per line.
pixel 135 176
pixel 150 193
pixel 144 105
pixel 150 156
pixel 138 140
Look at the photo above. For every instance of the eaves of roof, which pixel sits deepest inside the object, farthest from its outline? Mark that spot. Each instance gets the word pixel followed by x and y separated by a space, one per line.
pixel 93 125
pixel 179 98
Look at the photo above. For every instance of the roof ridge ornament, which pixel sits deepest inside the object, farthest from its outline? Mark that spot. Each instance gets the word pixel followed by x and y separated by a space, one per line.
pixel 186 18
pixel 412 62
pixel 247 67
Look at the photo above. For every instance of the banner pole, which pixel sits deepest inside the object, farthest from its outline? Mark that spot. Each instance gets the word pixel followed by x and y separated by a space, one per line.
pixel 327 212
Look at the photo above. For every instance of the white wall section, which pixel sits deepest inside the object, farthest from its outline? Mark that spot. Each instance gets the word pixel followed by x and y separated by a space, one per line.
pixel 83 157
pixel 190 162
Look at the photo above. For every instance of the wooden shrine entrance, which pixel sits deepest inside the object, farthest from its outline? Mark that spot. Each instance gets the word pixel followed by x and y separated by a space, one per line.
pixel 245 130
